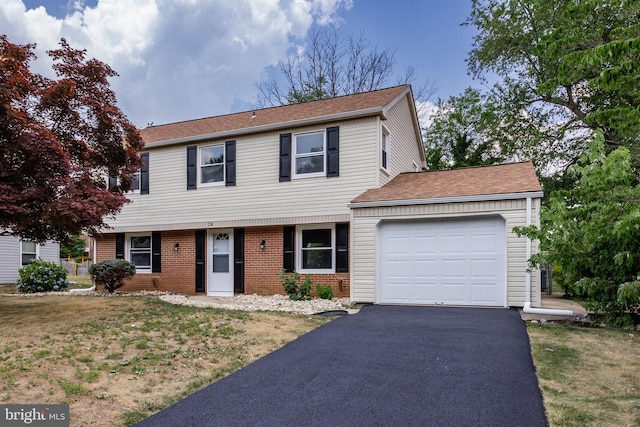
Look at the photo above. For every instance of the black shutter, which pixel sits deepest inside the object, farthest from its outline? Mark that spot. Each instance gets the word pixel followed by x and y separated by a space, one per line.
pixel 144 174
pixel 120 246
pixel 285 157
pixel 156 252
pixel 342 248
pixel 230 163
pixel 192 171
pixel 200 244
pixel 333 151
pixel 288 249
pixel 238 260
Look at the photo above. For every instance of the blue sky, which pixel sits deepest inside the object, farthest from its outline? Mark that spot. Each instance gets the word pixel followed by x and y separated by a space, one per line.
pixel 185 59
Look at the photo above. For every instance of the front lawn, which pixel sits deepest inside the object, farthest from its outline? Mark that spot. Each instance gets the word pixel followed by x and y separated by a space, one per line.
pixel 118 359
pixel 588 376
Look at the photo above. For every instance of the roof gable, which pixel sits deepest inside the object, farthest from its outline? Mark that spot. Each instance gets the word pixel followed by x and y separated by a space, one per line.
pixel 361 104
pixel 507 178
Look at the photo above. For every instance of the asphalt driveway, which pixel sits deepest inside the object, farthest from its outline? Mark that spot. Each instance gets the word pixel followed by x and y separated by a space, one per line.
pixel 385 366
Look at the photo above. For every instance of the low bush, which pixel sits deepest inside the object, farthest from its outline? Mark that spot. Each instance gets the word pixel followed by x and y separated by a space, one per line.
pixel 295 291
pixel 112 273
pixel 42 276
pixel 324 291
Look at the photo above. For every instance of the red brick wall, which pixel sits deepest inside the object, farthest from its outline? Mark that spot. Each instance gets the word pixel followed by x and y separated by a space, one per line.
pixel 178 267
pixel 262 267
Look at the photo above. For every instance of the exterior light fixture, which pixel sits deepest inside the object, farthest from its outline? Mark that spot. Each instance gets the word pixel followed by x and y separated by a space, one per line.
pixel 176 247
pixel 263 245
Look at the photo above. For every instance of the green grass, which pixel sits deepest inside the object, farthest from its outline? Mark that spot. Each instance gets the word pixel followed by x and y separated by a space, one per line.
pixel 589 377
pixel 81 281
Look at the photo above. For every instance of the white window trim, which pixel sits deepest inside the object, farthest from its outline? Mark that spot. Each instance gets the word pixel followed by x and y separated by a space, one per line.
pixel 224 166
pixel 296 175
pixel 22 253
pixel 385 136
pixel 139 270
pixel 298 254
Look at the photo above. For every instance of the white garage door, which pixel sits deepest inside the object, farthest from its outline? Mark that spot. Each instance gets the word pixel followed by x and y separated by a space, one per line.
pixel 453 262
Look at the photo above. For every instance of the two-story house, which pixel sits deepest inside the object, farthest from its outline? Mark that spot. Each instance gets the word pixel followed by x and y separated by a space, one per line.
pixel 223 203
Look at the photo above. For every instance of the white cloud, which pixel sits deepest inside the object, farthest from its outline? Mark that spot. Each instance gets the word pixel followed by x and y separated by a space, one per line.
pixel 177 59
pixel 425 111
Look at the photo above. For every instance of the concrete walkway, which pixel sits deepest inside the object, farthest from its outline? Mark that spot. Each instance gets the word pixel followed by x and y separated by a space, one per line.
pixel 556 301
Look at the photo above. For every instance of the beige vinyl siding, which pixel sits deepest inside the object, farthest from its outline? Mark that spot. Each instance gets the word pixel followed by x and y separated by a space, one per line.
pixel 258 197
pixel 404 148
pixel 366 220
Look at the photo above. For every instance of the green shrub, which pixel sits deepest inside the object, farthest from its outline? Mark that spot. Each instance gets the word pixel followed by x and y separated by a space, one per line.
pixel 290 284
pixel 111 273
pixel 42 276
pixel 324 291
pixel 304 293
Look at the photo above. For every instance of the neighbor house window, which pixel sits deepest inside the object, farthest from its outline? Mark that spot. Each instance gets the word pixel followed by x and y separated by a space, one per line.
pixel 140 251
pixel 384 155
pixel 316 249
pixel 28 252
pixel 309 151
pixel 212 165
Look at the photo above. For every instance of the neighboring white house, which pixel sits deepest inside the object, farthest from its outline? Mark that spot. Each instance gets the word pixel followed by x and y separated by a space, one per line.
pixel 14 253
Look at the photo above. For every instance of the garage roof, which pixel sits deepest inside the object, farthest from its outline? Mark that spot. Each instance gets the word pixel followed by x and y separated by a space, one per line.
pixel 475 183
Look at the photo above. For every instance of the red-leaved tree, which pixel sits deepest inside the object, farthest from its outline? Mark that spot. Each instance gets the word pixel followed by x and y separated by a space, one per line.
pixel 59 139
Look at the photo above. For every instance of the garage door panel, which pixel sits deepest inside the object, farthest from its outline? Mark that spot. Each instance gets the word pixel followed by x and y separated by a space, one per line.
pixel 482 294
pixel 484 268
pixel 453 268
pixel 456 262
pixel 455 292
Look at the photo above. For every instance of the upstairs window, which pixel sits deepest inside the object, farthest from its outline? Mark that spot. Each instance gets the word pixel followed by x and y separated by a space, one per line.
pixel 384 145
pixel 212 165
pixel 135 182
pixel 309 154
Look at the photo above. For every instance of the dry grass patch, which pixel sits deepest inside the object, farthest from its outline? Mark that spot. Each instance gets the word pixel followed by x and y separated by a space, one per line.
pixel 588 377
pixel 116 360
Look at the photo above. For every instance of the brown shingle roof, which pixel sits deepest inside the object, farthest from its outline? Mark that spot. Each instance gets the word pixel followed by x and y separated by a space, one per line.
pixel 476 181
pixel 272 116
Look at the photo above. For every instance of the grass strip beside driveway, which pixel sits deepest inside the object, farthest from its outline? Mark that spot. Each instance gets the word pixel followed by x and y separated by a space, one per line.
pixel 118 359
pixel 588 376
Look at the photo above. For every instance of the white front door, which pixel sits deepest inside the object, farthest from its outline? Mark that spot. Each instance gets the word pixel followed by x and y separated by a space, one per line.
pixel 220 263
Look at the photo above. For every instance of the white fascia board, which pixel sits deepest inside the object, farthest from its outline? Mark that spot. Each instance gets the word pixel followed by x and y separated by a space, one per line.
pixel 456 199
pixel 269 127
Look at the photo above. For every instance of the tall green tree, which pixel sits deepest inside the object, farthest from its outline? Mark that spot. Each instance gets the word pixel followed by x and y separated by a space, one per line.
pixel 562 68
pixel 459 134
pixel 592 231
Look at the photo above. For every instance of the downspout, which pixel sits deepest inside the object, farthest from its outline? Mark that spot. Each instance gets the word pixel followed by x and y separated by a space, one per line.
pixel 527 303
